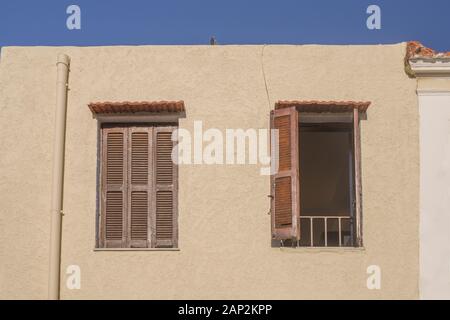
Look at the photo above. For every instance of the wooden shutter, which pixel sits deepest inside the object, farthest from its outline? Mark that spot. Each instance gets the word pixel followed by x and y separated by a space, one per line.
pixel 139 186
pixel 114 179
pixel 165 196
pixel 285 187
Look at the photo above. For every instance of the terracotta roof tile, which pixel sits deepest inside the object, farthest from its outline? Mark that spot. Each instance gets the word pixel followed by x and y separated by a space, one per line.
pixel 415 49
pixel 134 107
pixel 323 106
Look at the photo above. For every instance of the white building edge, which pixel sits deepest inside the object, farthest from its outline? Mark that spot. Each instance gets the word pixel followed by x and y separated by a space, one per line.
pixel 433 90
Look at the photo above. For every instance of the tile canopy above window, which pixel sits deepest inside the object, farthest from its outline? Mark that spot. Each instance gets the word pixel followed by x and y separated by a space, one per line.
pixel 137 107
pixel 323 106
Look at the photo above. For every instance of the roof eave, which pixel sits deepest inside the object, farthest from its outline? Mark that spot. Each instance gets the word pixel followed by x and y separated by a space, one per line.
pixel 430 66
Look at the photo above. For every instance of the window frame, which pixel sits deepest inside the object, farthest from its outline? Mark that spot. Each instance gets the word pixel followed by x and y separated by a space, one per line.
pixel 352 116
pixel 153 128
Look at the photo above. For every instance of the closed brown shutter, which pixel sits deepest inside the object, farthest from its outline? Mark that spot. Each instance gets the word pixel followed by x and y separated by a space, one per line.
pixel 139 186
pixel 113 214
pixel 165 195
pixel 285 189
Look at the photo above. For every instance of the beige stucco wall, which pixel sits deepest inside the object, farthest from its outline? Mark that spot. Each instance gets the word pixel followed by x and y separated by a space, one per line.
pixel 224 228
pixel 433 84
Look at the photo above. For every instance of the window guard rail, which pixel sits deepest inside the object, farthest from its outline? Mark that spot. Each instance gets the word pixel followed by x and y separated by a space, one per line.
pixel 325 219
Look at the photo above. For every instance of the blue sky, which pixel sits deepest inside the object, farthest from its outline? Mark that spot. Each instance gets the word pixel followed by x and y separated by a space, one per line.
pixel 114 22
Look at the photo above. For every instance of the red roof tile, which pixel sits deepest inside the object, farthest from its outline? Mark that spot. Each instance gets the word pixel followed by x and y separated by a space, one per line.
pixel 415 49
pixel 134 107
pixel 323 106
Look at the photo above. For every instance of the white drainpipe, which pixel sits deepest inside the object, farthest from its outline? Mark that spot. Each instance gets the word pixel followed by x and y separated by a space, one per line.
pixel 62 65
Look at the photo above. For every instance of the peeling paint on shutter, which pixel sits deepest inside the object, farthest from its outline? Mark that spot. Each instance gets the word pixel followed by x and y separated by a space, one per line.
pixel 139 153
pixel 285 189
pixel 113 215
pixel 139 185
pixel 165 215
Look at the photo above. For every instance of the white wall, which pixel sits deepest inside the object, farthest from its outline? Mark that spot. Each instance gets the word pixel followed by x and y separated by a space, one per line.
pixel 434 109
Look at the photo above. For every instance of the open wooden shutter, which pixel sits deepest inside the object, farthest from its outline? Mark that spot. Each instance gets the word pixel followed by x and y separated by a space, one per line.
pixel 285 187
pixel 114 195
pixel 165 195
pixel 139 186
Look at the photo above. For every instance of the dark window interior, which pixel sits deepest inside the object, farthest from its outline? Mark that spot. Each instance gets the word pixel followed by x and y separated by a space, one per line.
pixel 326 184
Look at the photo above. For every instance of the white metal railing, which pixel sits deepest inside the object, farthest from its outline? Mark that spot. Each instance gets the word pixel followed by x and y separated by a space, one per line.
pixel 325 228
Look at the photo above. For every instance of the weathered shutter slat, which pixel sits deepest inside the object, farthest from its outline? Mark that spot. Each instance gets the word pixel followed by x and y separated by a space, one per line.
pixel 165 217
pixel 285 188
pixel 113 214
pixel 139 153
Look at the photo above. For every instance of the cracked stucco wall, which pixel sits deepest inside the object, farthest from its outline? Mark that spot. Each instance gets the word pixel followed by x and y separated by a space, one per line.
pixel 223 223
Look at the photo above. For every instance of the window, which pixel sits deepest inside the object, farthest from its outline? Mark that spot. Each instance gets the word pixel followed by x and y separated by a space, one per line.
pixel 138 187
pixel 316 193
